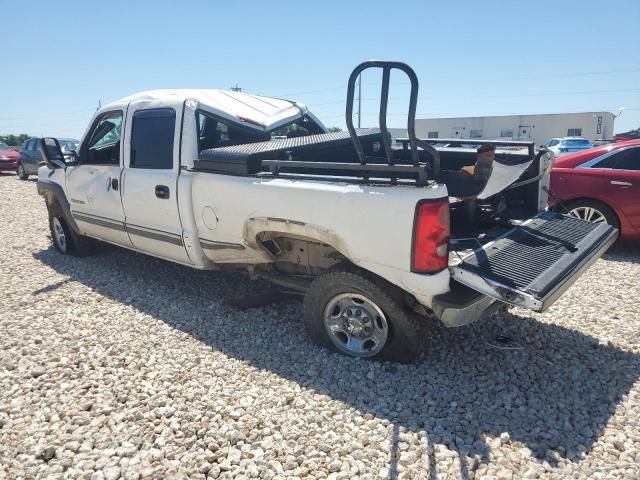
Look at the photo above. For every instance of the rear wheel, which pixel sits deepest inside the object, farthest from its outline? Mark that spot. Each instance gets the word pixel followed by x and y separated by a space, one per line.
pixel 64 239
pixel 350 313
pixel 21 172
pixel 593 211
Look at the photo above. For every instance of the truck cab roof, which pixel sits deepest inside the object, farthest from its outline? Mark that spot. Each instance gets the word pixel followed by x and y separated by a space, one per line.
pixel 254 111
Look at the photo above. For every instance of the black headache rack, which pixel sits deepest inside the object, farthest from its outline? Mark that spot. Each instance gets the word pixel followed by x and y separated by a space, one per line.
pixel 365 154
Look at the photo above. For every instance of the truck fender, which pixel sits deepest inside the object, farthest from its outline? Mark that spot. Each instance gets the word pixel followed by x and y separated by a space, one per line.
pixel 52 192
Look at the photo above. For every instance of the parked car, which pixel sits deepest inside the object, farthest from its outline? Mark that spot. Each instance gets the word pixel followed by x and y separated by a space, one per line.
pixel 562 146
pixel 362 232
pixel 8 158
pixel 601 185
pixel 31 158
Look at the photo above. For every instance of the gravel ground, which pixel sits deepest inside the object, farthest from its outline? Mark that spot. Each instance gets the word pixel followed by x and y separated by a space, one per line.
pixel 121 365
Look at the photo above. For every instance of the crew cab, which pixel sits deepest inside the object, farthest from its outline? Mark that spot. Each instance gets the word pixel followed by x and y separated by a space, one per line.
pixel 378 239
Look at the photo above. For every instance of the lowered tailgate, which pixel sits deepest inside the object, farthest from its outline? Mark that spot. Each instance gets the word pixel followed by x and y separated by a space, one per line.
pixel 533 264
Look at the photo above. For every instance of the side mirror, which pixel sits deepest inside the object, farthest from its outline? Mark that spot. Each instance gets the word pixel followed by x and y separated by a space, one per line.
pixel 51 153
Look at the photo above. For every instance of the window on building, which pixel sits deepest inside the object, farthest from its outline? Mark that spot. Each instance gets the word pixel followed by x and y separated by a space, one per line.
pixel 506 132
pixel 475 133
pixel 152 139
pixel 574 132
pixel 432 135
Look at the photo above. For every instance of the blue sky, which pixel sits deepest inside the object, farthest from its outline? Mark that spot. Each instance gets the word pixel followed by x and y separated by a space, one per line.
pixel 472 57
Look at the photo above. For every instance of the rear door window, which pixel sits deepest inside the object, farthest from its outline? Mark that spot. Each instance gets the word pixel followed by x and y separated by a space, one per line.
pixel 152 136
pixel 628 160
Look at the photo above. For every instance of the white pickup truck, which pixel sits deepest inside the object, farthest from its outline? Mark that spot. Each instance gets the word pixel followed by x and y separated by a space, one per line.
pixel 379 239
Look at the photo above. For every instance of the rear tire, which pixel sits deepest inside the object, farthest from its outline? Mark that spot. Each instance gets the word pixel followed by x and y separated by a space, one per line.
pixel 593 211
pixel 21 172
pixel 64 239
pixel 351 313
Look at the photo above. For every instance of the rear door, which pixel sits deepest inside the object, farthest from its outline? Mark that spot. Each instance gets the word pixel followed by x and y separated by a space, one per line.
pixel 622 183
pixel 150 181
pixel 93 186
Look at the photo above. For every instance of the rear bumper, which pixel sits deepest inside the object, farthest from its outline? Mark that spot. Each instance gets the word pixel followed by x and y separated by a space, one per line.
pixel 462 306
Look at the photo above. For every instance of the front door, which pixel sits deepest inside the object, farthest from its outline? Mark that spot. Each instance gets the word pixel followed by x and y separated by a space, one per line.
pixel 93 186
pixel 150 180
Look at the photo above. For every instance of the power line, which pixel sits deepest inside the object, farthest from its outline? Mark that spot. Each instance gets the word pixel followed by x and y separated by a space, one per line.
pixel 495 79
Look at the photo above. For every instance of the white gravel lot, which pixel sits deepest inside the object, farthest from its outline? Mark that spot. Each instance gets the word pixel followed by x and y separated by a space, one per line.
pixel 121 365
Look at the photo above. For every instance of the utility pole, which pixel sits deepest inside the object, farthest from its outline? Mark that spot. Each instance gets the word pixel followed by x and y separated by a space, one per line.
pixel 236 88
pixel 359 97
pixel 99 105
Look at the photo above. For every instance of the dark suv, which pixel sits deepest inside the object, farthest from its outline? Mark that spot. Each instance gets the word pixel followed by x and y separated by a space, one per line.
pixel 30 157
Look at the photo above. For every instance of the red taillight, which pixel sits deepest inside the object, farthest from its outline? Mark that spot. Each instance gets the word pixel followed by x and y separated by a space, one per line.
pixel 431 237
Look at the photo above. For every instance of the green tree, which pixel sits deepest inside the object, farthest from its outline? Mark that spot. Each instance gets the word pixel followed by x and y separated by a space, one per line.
pixel 14 140
pixel 335 129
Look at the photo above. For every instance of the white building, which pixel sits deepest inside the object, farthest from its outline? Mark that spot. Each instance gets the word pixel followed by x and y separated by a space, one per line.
pixel 536 128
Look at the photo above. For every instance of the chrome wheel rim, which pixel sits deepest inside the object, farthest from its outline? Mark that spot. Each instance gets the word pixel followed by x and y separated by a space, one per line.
pixel 589 214
pixel 59 235
pixel 356 325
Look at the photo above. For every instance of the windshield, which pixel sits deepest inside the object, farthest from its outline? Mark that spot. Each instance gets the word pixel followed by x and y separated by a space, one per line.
pixel 4 146
pixel 69 145
pixel 576 142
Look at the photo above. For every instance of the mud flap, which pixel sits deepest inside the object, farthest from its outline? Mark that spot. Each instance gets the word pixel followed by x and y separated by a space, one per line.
pixel 532 265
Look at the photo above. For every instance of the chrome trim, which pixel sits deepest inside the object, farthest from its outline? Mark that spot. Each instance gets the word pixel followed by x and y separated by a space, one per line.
pixel 99 221
pixel 152 234
pixel 211 245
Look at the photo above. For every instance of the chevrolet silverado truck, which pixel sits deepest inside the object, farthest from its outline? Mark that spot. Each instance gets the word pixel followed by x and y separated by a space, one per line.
pixel 379 238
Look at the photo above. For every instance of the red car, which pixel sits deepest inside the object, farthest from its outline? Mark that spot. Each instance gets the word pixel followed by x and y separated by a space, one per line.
pixel 8 158
pixel 601 185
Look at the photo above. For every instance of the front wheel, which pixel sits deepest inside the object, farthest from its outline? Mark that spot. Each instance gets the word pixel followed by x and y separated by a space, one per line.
pixel 22 173
pixel 64 239
pixel 349 313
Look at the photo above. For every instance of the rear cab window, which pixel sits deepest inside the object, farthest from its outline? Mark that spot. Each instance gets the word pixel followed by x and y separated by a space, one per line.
pixel 215 132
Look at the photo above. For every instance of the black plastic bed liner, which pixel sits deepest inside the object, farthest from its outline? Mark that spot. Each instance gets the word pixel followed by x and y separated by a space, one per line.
pixel 247 159
pixel 532 265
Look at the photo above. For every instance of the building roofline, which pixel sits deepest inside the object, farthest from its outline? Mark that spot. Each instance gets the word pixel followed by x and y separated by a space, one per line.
pixel 517 115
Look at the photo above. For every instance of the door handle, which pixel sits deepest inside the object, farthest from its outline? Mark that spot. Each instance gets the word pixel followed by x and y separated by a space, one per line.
pixel 621 184
pixel 114 183
pixel 162 191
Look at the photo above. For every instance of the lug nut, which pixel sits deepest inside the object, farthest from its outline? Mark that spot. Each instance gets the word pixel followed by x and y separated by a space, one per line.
pixel 365 319
pixel 358 313
pixel 349 312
